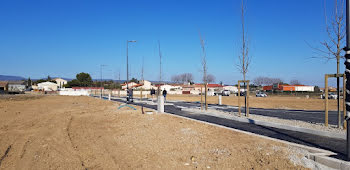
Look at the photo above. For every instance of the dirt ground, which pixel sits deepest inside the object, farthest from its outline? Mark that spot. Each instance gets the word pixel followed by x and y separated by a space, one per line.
pixel 271 102
pixel 57 132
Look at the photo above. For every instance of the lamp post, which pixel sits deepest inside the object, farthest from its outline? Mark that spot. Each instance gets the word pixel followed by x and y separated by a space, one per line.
pixel 127 64
pixel 102 65
pixel 347 74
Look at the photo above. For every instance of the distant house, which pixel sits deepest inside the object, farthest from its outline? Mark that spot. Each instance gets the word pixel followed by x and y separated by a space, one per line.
pixel 16 87
pixel 130 85
pixel 232 89
pixel 215 87
pixel 196 89
pixel 169 87
pixel 3 86
pixel 286 87
pixel 60 82
pixel 47 86
pixel 145 85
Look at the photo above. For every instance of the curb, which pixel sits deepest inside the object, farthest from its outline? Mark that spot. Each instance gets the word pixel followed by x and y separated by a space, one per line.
pixel 320 156
pixel 317 155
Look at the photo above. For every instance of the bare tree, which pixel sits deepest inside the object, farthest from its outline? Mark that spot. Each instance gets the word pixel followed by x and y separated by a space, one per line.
pixel 182 78
pixel 244 58
pixel 186 78
pixel 295 82
pixel 210 78
pixel 274 80
pixel 333 45
pixel 335 29
pixel 259 81
pixel 266 81
pixel 204 68
pixel 176 78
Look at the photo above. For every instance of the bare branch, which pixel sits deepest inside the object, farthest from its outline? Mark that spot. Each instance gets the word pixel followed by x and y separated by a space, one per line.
pixel 244 58
pixel 204 59
pixel 332 47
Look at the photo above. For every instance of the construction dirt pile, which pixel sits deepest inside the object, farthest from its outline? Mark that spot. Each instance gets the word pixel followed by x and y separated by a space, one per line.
pixel 58 132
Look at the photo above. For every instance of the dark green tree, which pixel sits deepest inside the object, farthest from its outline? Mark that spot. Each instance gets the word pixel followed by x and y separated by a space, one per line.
pixel 29 82
pixel 134 80
pixel 84 79
pixel 73 83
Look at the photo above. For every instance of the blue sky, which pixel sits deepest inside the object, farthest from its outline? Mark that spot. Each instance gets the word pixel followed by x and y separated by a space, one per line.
pixel 65 37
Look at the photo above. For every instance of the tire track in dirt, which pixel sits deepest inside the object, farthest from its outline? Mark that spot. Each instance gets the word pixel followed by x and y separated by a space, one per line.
pixel 5 154
pixel 72 144
pixel 24 149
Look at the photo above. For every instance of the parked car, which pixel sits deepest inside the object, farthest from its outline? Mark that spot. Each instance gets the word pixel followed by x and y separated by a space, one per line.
pixel 261 94
pixel 242 93
pixel 330 96
pixel 225 93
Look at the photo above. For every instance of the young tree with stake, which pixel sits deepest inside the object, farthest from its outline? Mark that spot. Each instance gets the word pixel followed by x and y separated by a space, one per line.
pixel 204 70
pixel 332 47
pixel 244 58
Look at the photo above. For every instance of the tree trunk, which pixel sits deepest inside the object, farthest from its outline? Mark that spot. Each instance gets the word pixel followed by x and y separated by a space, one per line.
pixel 201 98
pixel 338 94
pixel 205 97
pixel 245 96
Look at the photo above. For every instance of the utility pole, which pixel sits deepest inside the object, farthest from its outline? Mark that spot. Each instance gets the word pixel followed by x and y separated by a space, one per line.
pixel 347 74
pixel 143 81
pixel 160 68
pixel 102 65
pixel 127 64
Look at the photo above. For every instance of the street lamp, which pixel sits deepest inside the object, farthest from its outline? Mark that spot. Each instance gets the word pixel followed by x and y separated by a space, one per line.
pixel 127 64
pixel 102 65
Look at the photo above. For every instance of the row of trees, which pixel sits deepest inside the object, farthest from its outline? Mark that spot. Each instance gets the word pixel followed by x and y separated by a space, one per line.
pixel 85 80
pixel 259 81
pixel 182 78
pixel 188 78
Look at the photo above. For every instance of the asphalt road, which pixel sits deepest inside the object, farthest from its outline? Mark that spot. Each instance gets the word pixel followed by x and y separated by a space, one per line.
pixel 312 116
pixel 335 145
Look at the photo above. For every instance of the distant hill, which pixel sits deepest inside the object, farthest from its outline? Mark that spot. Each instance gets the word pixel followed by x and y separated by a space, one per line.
pixel 10 78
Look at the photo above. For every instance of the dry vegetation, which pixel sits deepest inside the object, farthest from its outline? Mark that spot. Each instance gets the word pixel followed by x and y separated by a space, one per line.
pixel 275 102
pixel 57 132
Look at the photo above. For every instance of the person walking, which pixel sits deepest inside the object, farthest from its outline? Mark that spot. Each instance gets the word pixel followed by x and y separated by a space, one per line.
pixel 164 94
pixel 153 92
pixel 130 95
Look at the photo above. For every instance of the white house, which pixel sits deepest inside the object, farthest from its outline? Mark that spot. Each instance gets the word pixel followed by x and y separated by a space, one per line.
pixel 130 85
pixel 305 88
pixel 60 82
pixel 145 85
pixel 233 89
pixel 47 86
pixel 168 87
